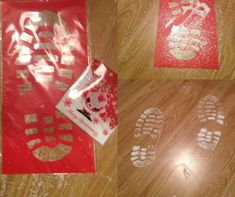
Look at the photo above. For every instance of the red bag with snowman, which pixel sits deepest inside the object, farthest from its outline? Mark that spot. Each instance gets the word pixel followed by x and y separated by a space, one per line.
pixel 91 102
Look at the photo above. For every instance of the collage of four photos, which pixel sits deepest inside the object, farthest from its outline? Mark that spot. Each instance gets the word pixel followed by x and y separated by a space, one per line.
pixel 126 98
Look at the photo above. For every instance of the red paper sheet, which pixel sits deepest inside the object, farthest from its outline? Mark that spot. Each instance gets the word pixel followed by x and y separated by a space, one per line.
pixel 186 36
pixel 44 51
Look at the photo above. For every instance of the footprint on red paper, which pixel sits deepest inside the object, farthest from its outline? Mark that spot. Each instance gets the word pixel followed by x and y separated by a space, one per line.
pixel 44 50
pixel 52 141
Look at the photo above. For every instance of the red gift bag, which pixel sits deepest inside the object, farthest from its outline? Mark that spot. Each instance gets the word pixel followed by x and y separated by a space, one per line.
pixel 91 102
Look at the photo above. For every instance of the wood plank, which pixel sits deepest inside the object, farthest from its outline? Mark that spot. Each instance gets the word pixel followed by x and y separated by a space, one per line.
pixel 181 168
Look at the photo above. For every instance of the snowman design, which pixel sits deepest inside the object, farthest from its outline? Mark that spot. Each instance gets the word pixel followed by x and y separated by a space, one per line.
pixel 94 106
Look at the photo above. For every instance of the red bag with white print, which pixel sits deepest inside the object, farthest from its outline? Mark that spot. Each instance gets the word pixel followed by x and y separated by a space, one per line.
pixel 91 102
pixel 44 51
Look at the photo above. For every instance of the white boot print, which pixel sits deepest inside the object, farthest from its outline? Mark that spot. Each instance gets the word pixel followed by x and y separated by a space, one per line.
pixel 186 39
pixel 150 125
pixel 142 156
pixel 210 109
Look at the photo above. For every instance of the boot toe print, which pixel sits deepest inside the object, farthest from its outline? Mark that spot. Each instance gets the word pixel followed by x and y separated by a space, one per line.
pixel 210 109
pixel 149 123
pixel 44 44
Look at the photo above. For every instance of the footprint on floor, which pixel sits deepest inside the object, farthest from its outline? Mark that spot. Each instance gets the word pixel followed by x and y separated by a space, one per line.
pixel 148 127
pixel 141 156
pixel 208 139
pixel 210 109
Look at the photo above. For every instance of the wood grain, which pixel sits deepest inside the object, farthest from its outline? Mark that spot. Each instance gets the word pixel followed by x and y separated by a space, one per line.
pixel 137 27
pixel 181 167
pixel 102 24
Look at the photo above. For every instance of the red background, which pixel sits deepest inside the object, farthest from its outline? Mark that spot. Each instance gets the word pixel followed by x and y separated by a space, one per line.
pixel 207 58
pixel 17 158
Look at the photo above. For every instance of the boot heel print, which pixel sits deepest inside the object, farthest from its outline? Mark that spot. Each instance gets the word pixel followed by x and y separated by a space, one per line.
pixel 208 140
pixel 54 141
pixel 143 156
pixel 150 124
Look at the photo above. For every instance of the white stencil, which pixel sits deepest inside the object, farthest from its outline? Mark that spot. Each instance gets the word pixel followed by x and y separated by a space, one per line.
pixel 210 108
pixel 208 139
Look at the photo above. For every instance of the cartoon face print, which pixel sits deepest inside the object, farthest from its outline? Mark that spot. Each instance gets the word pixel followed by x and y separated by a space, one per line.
pixel 95 102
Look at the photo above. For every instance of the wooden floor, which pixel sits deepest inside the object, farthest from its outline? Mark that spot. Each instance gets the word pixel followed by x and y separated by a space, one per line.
pixel 137 27
pixel 181 167
pixel 102 22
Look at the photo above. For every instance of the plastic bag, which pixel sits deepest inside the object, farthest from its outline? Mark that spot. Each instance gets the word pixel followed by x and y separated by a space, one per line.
pixel 91 102
pixel 44 51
